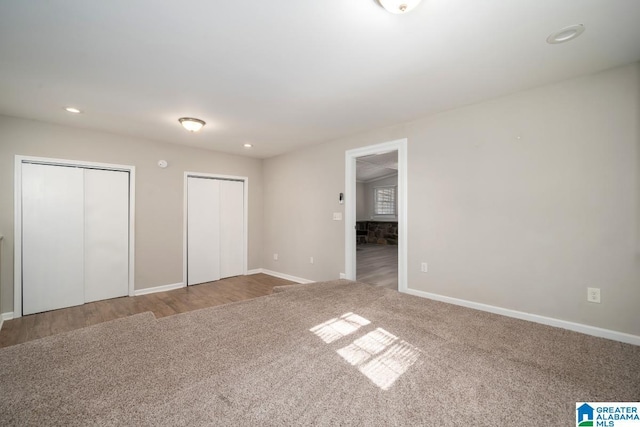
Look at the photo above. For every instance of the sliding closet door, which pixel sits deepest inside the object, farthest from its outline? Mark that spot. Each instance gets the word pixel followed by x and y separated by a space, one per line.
pixel 106 234
pixel 203 230
pixel 52 237
pixel 231 228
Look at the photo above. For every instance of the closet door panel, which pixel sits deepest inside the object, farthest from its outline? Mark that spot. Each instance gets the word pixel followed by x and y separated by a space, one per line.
pixel 52 237
pixel 106 234
pixel 231 228
pixel 203 230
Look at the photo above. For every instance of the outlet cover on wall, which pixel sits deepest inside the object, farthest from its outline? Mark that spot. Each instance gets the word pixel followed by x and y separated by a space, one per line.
pixel 275 257
pixel 424 267
pixel 593 295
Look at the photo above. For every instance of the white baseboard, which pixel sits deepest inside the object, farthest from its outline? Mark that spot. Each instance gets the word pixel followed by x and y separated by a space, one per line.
pixel 173 286
pixel 155 289
pixel 577 327
pixel 5 316
pixel 285 276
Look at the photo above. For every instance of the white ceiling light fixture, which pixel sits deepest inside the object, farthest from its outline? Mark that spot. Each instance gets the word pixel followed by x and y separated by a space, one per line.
pixel 247 145
pixel 72 110
pixel 566 34
pixel 191 124
pixel 399 6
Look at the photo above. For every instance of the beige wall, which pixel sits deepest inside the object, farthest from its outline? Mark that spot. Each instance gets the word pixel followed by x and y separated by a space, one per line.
pixel 526 224
pixel 521 202
pixel 159 192
pixel 365 212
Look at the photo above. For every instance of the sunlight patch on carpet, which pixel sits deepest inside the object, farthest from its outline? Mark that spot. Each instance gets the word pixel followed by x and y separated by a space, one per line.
pixel 334 329
pixel 379 355
pixel 386 368
pixel 367 346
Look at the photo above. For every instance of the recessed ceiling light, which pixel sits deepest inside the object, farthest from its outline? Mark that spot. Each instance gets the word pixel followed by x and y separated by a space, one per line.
pixel 72 110
pixel 399 6
pixel 247 145
pixel 191 124
pixel 565 34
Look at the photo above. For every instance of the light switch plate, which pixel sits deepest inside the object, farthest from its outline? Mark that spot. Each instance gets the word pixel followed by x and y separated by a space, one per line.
pixel 337 216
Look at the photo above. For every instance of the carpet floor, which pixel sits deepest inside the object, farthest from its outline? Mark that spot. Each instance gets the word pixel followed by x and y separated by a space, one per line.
pixel 331 353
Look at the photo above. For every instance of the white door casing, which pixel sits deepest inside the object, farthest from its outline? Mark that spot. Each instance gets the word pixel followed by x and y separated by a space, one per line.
pixel 350 206
pixel 59 231
pixel 230 259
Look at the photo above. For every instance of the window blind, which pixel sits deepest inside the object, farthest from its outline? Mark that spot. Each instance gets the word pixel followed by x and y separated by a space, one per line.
pixel 384 201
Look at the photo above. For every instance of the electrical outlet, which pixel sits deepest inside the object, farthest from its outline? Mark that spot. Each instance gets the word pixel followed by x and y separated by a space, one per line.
pixel 593 295
pixel 275 257
pixel 310 260
pixel 424 267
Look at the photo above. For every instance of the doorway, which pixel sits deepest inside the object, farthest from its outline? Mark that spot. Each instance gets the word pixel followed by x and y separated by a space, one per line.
pixel 381 222
pixel 377 219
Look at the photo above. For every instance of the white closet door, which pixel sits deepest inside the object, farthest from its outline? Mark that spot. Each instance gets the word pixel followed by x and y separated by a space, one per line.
pixel 52 237
pixel 203 230
pixel 106 234
pixel 231 228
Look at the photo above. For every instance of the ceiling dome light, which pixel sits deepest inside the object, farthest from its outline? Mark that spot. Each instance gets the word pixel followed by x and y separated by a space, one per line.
pixel 247 145
pixel 399 6
pixel 72 110
pixel 565 34
pixel 191 124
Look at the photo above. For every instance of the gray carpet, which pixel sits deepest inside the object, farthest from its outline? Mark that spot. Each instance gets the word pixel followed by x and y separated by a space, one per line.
pixel 333 353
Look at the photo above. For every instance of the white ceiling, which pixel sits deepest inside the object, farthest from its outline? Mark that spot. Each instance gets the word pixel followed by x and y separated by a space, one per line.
pixel 376 166
pixel 283 74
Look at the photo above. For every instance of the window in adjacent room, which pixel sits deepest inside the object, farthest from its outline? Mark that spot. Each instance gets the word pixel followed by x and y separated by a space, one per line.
pixel 384 200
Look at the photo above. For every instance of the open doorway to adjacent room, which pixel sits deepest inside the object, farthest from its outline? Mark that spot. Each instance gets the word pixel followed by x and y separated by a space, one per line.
pixel 376 215
pixel 377 219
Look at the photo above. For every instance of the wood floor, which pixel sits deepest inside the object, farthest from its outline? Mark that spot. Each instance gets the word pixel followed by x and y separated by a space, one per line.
pixel 377 265
pixel 162 304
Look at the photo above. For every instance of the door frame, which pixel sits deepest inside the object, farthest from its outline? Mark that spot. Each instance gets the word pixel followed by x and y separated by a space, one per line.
pixel 17 231
pixel 399 145
pixel 245 228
